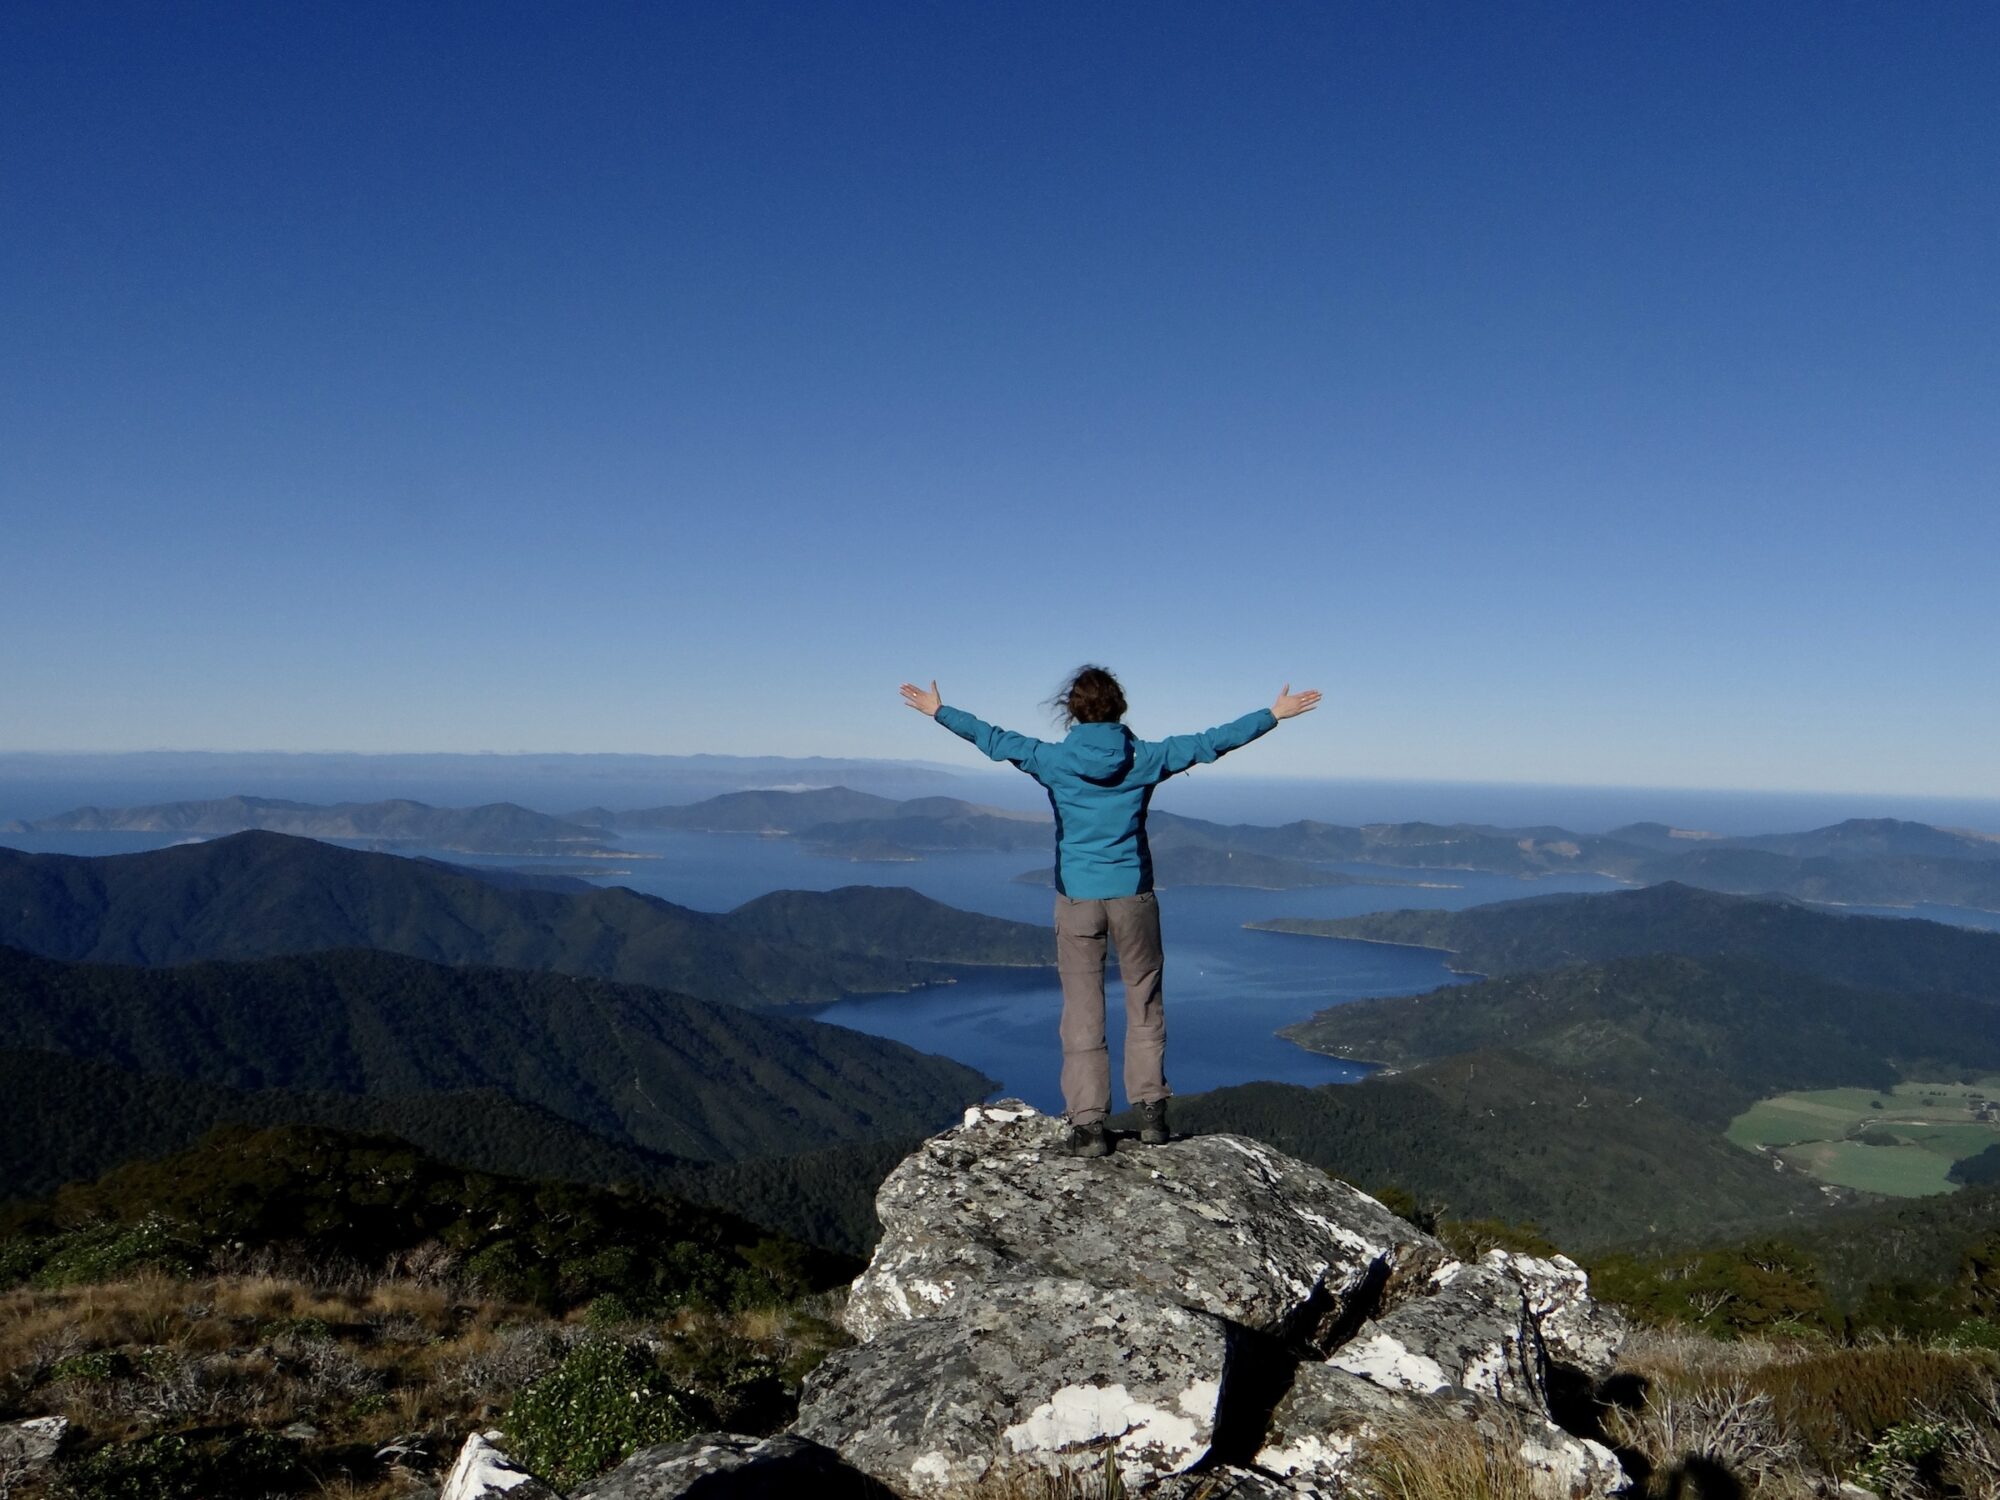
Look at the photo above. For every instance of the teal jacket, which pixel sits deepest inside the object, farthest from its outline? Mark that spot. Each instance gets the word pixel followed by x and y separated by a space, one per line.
pixel 1100 781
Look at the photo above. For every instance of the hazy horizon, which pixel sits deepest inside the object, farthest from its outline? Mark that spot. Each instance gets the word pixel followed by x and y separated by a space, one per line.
pixel 558 782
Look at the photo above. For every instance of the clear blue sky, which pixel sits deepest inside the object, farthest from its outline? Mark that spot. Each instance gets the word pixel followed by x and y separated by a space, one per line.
pixel 1604 393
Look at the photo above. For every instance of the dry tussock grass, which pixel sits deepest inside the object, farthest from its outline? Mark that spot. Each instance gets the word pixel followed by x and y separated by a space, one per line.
pixel 364 1364
pixel 1972 1466
pixel 1443 1461
pixel 1783 1418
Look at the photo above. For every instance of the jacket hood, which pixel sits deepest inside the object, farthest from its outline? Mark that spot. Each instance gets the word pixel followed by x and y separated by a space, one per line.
pixel 1100 752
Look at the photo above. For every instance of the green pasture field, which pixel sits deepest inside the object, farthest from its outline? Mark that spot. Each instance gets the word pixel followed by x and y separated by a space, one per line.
pixel 1818 1131
pixel 1901 1171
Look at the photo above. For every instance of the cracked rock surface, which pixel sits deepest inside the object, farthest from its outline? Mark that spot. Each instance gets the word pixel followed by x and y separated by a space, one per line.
pixel 483 1472
pixel 1039 1374
pixel 30 1445
pixel 1221 1224
pixel 1330 1413
pixel 722 1464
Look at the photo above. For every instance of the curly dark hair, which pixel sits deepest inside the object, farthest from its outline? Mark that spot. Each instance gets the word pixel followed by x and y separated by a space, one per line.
pixel 1091 696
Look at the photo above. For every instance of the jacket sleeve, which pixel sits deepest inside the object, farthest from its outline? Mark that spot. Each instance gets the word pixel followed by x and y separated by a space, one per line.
pixel 993 742
pixel 1178 752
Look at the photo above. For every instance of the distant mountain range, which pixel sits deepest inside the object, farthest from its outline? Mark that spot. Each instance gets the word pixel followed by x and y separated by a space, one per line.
pixel 497 828
pixel 1862 862
pixel 255 895
pixel 842 823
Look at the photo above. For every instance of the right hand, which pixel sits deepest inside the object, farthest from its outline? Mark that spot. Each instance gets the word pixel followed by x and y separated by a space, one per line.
pixel 929 703
pixel 1289 705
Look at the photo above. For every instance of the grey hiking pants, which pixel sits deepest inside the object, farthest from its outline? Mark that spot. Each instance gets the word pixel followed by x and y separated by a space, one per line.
pixel 1133 923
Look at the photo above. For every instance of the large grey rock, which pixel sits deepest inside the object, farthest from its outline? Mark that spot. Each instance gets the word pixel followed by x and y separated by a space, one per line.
pixel 725 1466
pixel 1575 1331
pixel 1471 1333
pixel 483 1472
pixel 1216 1223
pixel 1040 1374
pixel 30 1445
pixel 1492 1328
pixel 1319 1432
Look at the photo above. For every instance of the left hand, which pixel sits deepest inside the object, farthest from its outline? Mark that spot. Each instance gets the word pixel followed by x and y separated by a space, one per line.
pixel 921 701
pixel 1289 705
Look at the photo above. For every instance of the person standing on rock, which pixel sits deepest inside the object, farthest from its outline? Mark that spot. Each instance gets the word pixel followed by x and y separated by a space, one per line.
pixel 1100 780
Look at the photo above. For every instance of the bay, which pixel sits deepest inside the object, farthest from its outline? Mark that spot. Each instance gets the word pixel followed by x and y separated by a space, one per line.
pixel 1228 990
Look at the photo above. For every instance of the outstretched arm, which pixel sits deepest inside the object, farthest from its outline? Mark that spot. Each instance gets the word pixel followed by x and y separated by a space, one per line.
pixel 994 743
pixel 1180 751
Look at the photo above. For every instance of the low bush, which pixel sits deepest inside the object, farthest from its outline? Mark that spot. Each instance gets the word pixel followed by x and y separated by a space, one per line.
pixel 602 1404
pixel 176 1467
pixel 99 1252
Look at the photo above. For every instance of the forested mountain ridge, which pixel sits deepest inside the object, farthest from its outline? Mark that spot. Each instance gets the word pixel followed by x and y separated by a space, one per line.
pixel 644 1067
pixel 1540 932
pixel 1711 1036
pixel 803 812
pixel 1504 1135
pixel 70 1119
pixel 889 923
pixel 257 895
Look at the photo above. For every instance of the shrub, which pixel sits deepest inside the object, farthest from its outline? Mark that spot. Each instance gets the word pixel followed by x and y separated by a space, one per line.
pixel 1469 1239
pixel 609 1311
pixel 1974 1333
pixel 175 1467
pixel 1754 1288
pixel 1904 1456
pixel 105 1252
pixel 93 1368
pixel 602 1404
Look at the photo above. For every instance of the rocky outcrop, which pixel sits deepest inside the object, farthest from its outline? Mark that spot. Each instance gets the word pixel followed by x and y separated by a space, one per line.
pixel 1329 1413
pixel 1210 1309
pixel 727 1467
pixel 1218 1224
pixel 1210 1318
pixel 28 1447
pixel 483 1472
pixel 1027 1373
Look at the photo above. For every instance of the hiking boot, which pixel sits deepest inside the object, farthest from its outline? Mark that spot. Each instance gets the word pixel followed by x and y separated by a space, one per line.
pixel 1153 1123
pixel 1090 1139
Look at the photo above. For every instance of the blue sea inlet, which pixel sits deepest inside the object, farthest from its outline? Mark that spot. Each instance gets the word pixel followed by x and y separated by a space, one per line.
pixel 1228 990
